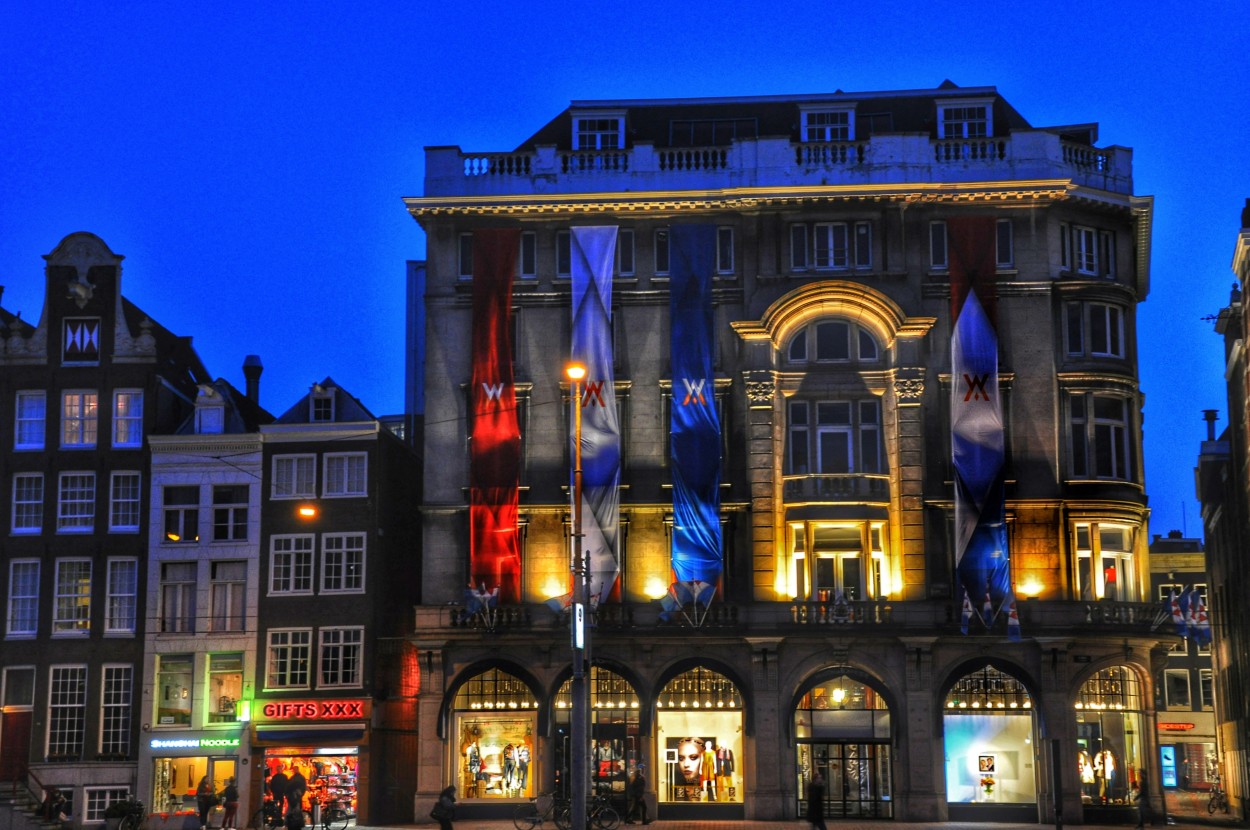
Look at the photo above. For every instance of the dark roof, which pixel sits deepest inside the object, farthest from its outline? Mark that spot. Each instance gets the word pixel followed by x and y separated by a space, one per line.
pixel 243 414
pixel 346 407
pixel 775 115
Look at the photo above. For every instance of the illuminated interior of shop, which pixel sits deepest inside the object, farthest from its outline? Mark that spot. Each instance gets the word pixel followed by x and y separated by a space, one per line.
pixel 616 748
pixel 329 771
pixel 1109 736
pixel 495 720
pixel 990 753
pixel 699 733
pixel 842 731
pixel 175 780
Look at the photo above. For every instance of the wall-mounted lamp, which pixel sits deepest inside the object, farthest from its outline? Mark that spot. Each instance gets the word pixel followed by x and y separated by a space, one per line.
pixel 306 511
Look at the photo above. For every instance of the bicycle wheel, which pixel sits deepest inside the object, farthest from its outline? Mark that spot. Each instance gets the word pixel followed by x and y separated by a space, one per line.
pixel 525 816
pixel 129 823
pixel 607 819
pixel 334 818
pixel 260 821
pixel 563 817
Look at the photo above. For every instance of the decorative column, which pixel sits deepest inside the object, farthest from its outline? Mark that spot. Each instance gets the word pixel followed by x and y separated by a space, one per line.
pixel 431 754
pixel 907 496
pixel 764 453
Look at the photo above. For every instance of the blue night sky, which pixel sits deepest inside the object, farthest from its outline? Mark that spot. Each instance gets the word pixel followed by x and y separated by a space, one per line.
pixel 249 160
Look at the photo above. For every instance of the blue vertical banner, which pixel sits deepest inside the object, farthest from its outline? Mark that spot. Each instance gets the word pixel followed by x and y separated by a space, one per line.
pixel 694 423
pixel 593 254
pixel 977 442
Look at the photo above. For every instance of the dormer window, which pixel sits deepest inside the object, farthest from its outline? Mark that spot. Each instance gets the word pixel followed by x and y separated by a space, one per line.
pixel 965 119
pixel 829 124
pixel 322 404
pixel 210 412
pixel 599 131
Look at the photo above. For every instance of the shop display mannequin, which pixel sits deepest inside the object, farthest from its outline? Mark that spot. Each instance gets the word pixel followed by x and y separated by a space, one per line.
pixel 725 772
pixel 708 770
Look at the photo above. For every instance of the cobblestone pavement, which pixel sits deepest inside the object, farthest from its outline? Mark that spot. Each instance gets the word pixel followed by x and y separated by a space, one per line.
pixel 1179 822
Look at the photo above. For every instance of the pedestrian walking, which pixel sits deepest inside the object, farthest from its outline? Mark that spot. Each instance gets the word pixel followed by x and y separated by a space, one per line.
pixel 230 796
pixel 638 797
pixel 445 808
pixel 816 801
pixel 204 800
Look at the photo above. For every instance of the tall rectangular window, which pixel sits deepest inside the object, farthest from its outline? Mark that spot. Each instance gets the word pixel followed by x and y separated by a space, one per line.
pixel 122 600
pixel 228 596
pixel 831 245
pixel 464 259
pixel 346 474
pixel 115 704
pixel 1085 250
pixel 178 597
pixel 1207 687
pixel 79 419
pixel 75 508
pixel 1065 246
pixel 724 250
pixel 564 254
pixel 937 246
pixel 1005 254
pixel 343 562
pixel 124 501
pixel 67 710
pixel 230 512
pixel 182 513
pixel 174 701
pixel 863 244
pixel 340 663
pixel 225 686
pixel 294 476
pixel 799 438
pixel 128 418
pixel 1099 437
pixel 27 502
pixel 23 616
pixel 625 252
pixel 71 607
pixel 291 565
pixel 1105 562
pixel 798 247
pixel 28 431
pixel 661 252
pixel 527 257
pixel 1106 254
pixel 289 658
pixel 1176 688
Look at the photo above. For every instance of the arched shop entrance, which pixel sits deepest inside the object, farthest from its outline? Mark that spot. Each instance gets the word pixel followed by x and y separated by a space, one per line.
pixel 1109 739
pixel 615 742
pixel 495 719
pixel 989 731
pixel 842 730
pixel 698 770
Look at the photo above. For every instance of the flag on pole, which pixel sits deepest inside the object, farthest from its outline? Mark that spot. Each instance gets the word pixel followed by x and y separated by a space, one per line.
pixel 977 442
pixel 1013 619
pixel 1187 610
pixel 1201 627
pixel 1178 618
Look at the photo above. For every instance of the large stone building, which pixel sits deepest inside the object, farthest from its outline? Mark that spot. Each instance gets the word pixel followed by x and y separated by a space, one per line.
pixel 783 547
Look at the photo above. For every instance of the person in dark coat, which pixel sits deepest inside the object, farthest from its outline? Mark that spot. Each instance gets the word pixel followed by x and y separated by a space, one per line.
pixel 638 797
pixel 230 796
pixel 277 788
pixel 204 800
pixel 295 788
pixel 816 801
pixel 445 808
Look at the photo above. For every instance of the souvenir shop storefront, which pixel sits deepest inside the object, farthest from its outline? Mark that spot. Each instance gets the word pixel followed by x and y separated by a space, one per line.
pixel 693 761
pixel 325 740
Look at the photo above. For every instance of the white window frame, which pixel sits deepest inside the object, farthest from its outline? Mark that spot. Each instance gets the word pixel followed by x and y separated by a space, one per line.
pixel 1206 689
pixel 343 563
pixel 1094 560
pixel 80 418
pixel 174 668
pixel 22 614
pixel 227 601
pixel 833 128
pixel 75 504
pixel 1106 254
pixel 291 564
pixel 1094 438
pixel 1082 320
pixel 351 469
pixel 340 657
pixel 961 114
pixel 180 520
pixel 116 706
pixel 27 513
pixel 125 501
pixel 71 598
pixel 321 405
pixel 178 588
pixel 827 253
pixel 288 658
pixel 121 599
pixel 127 418
pixel 600 130
pixel 230 515
pixel 31 424
pixel 294 476
pixel 210 420
pixel 97 799
pixel 67 711
pixel 1085 250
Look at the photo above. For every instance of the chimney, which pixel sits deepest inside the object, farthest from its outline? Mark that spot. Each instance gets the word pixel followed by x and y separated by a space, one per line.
pixel 1245 215
pixel 1209 415
pixel 252 367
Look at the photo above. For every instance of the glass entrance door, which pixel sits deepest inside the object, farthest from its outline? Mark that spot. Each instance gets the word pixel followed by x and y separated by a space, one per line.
pixel 857 778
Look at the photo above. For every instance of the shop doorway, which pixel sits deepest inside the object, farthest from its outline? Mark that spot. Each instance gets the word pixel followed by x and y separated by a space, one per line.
pixel 856 778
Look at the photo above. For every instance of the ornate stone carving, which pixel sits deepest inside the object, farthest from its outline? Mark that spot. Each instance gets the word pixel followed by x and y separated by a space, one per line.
pixel 761 387
pixel 910 389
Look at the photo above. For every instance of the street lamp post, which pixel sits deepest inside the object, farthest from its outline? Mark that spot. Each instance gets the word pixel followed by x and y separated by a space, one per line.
pixel 578 629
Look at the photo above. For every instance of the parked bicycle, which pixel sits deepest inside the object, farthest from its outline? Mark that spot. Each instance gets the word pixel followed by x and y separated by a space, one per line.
pixel 270 815
pixel 333 816
pixel 136 812
pixel 602 814
pixel 544 807
pixel 1218 800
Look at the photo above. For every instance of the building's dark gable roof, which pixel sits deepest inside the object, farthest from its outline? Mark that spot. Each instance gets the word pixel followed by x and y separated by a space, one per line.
pixel 911 111
pixel 176 351
pixel 346 407
pixel 243 415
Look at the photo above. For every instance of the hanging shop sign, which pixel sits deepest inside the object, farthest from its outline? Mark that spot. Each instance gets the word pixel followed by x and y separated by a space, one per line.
pixel 1175 727
pixel 309 710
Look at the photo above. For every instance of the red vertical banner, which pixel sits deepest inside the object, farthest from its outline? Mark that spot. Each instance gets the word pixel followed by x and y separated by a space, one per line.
pixel 495 445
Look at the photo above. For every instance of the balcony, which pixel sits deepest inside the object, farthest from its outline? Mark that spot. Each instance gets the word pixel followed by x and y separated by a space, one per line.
pixel 837 488
pixel 1020 161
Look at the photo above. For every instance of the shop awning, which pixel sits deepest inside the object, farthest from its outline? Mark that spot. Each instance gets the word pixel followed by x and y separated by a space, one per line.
pixel 321 733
